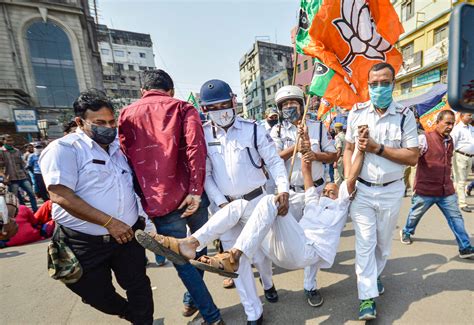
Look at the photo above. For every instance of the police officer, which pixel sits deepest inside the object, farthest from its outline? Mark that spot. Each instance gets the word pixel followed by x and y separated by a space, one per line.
pixel 340 143
pixel 237 150
pixel 393 143
pixel 290 102
pixel 271 118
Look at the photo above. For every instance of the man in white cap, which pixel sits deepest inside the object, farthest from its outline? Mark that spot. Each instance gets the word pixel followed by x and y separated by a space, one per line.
pixel 319 148
pixel 271 118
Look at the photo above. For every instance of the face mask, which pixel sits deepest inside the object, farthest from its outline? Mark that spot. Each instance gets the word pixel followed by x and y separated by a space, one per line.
pixel 381 96
pixel 312 116
pixel 223 117
pixel 291 114
pixel 103 134
pixel 272 122
pixel 38 151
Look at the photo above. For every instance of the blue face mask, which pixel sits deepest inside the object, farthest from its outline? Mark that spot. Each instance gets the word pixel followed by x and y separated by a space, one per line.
pixel 312 116
pixel 381 96
pixel 290 114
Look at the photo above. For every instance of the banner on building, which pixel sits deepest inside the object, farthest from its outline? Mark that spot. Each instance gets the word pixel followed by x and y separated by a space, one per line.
pixel 347 37
pixel 26 120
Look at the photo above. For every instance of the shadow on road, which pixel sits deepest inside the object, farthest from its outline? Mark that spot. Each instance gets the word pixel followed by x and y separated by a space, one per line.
pixel 11 254
pixel 407 280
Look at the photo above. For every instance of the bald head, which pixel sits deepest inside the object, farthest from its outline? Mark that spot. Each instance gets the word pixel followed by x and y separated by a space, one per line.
pixel 331 190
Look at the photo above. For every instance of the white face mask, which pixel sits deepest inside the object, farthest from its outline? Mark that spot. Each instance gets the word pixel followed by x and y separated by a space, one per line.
pixel 223 117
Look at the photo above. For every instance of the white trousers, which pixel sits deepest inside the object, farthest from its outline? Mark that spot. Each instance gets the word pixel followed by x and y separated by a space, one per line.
pixel 374 214
pixel 296 209
pixel 227 224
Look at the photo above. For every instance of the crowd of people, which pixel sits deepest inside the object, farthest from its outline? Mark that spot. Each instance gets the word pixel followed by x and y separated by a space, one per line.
pixel 258 188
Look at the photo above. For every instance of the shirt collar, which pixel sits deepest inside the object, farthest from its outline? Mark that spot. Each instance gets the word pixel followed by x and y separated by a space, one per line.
pixel 155 92
pixel 392 108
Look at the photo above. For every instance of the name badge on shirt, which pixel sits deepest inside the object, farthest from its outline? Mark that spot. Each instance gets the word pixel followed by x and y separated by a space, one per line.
pixel 97 161
pixel 217 143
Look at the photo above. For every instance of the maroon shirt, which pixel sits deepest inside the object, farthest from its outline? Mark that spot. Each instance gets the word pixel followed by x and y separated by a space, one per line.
pixel 163 140
pixel 433 172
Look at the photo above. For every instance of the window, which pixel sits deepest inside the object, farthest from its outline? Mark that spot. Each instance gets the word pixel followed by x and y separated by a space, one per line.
pixel 305 64
pixel 119 66
pixel 279 57
pixel 274 88
pixel 142 55
pixel 407 51
pixel 105 51
pixel 119 53
pixel 134 93
pixel 123 80
pixel 269 91
pixel 440 34
pixel 133 78
pixel 408 9
pixel 131 67
pixel 151 68
pixel 110 64
pixel 299 68
pixel 406 87
pixel 53 65
pixel 141 68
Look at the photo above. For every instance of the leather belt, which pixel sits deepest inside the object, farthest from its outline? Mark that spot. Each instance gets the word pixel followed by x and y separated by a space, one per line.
pixel 316 183
pixel 369 184
pixel 464 154
pixel 249 196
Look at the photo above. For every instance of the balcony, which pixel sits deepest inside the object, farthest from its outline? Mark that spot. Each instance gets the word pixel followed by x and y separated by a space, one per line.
pixel 437 53
pixel 411 63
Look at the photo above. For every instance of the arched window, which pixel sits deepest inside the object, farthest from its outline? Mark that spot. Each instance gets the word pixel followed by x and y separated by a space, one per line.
pixel 53 65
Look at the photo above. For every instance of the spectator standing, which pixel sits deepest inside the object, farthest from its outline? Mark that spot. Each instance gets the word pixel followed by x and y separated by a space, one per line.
pixel 392 144
pixel 163 140
pixel 96 211
pixel 463 140
pixel 340 146
pixel 33 166
pixel 433 184
pixel 12 163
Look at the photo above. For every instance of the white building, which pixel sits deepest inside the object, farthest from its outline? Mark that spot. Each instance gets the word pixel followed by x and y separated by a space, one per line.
pixel 124 54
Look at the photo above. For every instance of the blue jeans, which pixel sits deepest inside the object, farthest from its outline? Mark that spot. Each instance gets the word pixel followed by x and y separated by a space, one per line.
pixel 470 186
pixel 173 225
pixel 26 186
pixel 450 209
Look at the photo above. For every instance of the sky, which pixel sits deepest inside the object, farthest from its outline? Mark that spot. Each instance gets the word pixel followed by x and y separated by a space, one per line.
pixel 195 40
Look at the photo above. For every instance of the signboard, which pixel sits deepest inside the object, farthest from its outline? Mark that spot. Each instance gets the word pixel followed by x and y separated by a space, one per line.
pixel 427 77
pixel 25 120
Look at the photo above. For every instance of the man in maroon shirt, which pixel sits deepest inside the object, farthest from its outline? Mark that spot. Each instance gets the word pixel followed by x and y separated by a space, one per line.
pixel 164 143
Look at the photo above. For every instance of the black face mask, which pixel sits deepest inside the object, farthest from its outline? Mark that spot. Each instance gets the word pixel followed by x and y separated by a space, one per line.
pixel 102 134
pixel 272 122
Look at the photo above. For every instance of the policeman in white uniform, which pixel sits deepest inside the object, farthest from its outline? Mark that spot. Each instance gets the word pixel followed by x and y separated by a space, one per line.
pixel 290 101
pixel 271 119
pixel 237 151
pixel 393 143
pixel 463 140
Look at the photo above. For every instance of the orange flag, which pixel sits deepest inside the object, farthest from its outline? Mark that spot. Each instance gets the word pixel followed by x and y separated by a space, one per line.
pixel 348 37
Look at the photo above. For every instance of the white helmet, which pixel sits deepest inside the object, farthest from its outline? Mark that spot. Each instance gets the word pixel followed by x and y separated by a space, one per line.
pixel 289 92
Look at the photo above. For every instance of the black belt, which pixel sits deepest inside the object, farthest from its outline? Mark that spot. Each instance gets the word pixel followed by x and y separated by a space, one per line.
pixel 316 183
pixel 249 196
pixel 369 184
pixel 464 154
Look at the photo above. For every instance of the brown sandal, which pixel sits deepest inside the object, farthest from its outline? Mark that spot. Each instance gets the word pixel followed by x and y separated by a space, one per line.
pixel 168 247
pixel 219 263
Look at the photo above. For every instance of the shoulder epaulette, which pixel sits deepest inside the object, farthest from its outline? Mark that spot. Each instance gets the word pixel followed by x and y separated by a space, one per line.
pixel 363 105
pixel 69 139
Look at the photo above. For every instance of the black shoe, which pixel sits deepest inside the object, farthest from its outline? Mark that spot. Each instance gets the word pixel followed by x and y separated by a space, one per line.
pixel 256 322
pixel 466 209
pixel 314 298
pixel 466 252
pixel 405 238
pixel 271 294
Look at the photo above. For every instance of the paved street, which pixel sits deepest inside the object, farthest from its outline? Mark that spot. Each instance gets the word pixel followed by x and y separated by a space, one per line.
pixel 426 283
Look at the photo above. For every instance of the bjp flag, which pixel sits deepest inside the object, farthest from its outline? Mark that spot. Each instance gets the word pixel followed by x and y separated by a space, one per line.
pixel 347 37
pixel 428 120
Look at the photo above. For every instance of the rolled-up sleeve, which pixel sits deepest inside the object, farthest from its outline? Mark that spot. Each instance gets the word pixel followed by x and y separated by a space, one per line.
pixel 58 164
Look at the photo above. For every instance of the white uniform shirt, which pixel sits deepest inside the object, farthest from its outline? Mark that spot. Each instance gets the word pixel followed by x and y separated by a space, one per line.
pixel 323 221
pixel 385 129
pixel 229 171
pixel 463 138
pixel 287 138
pixel 103 180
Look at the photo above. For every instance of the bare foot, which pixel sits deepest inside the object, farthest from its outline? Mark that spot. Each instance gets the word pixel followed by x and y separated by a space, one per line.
pixel 187 247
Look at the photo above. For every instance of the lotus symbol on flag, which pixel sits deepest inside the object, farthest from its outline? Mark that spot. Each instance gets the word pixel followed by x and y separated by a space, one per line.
pixel 357 28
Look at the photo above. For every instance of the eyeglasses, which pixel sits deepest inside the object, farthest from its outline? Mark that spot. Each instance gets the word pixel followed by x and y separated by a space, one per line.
pixel 380 84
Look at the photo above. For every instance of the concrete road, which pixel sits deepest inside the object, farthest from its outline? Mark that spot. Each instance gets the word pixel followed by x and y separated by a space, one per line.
pixel 426 283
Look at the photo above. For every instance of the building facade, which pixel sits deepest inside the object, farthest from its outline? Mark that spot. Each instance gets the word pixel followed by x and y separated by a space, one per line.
pixel 260 63
pixel 48 54
pixel 275 82
pixel 424 45
pixel 124 54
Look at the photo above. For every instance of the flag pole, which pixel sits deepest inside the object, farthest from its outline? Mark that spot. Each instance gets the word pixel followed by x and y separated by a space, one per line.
pixel 295 63
pixel 295 150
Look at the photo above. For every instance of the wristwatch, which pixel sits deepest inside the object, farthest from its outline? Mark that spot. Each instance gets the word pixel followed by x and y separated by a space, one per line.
pixel 380 152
